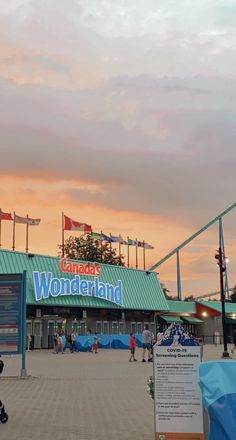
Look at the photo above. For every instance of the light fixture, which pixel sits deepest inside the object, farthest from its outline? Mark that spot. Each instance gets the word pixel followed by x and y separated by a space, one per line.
pixel 204 314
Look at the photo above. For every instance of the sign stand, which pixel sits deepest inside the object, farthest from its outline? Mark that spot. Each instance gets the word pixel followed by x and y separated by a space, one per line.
pixel 177 395
pixel 13 316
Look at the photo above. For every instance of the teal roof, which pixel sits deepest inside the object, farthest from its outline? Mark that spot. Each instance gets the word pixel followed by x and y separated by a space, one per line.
pixel 181 306
pixel 141 289
pixel 171 319
pixel 230 307
pixel 192 320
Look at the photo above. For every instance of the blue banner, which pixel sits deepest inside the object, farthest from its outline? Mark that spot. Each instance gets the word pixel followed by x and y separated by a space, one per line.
pixel 85 343
pixel 218 383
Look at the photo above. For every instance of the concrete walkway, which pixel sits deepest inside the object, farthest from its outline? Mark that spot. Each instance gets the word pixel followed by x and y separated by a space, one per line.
pixel 79 396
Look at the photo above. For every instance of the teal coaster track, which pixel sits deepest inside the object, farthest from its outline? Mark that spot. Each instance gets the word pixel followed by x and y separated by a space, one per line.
pixel 177 250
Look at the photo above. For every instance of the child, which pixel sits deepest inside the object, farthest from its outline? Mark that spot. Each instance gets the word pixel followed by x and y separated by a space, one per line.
pixel 132 346
pixel 95 344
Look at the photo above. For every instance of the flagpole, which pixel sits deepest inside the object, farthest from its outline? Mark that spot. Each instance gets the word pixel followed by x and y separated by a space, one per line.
pixel 136 254
pixel 128 251
pixel 0 228
pixel 144 262
pixel 27 235
pixel 120 247
pixel 101 247
pixel 90 242
pixel 110 244
pixel 14 232
pixel 63 236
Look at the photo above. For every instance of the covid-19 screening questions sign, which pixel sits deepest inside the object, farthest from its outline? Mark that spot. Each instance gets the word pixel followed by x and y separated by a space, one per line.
pixel 178 401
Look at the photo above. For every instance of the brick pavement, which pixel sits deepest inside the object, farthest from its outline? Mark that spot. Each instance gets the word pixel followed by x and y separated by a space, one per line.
pixel 79 396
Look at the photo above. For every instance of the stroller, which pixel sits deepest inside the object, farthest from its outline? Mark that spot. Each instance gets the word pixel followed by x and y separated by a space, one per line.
pixel 3 414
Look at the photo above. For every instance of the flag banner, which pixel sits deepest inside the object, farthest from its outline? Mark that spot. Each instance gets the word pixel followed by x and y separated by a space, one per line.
pixel 99 236
pixel 135 243
pixel 27 221
pixel 19 219
pixel 131 242
pixel 119 239
pixel 33 221
pixel 147 246
pixel 72 225
pixel 5 215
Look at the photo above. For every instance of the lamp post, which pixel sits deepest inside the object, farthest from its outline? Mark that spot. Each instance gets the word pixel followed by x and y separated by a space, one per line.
pixel 221 262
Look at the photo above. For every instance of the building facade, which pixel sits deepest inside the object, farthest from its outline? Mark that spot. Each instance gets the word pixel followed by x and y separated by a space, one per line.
pixel 84 296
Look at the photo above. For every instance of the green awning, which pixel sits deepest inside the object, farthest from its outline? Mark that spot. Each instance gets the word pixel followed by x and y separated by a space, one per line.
pixel 192 320
pixel 170 319
pixel 229 320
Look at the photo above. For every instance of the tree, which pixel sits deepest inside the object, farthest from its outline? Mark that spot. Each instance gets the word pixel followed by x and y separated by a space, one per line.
pixel 86 249
pixel 189 298
pixel 166 293
pixel 233 295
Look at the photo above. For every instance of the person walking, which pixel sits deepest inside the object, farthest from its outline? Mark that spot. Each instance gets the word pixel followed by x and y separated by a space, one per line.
pixel 147 343
pixel 95 343
pixel 56 337
pixel 73 338
pixel 132 346
pixel 234 340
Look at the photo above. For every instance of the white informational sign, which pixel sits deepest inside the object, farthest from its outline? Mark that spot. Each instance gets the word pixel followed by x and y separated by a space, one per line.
pixel 178 400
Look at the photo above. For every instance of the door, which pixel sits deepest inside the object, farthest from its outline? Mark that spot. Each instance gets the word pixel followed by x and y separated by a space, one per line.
pixel 121 328
pixel 133 327
pixel 99 327
pixel 82 330
pixel 45 333
pixel 139 328
pixel 152 328
pixel 114 327
pixel 37 334
pixel 28 335
pixel 106 329
pixel 51 332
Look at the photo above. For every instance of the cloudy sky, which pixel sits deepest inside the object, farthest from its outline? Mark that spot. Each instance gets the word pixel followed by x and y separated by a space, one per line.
pixel 121 114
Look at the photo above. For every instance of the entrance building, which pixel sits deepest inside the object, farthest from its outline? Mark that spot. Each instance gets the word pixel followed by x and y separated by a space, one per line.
pixel 84 296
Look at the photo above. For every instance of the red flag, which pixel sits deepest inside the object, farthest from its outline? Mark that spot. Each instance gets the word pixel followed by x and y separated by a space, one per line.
pixel 5 216
pixel 72 225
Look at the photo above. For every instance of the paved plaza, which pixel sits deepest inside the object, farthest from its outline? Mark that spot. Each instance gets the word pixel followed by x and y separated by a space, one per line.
pixel 79 396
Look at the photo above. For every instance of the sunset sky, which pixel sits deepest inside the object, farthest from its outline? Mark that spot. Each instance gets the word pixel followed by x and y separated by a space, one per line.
pixel 121 114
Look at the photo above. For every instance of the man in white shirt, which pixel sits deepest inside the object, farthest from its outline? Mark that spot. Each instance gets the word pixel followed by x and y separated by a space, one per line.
pixel 147 343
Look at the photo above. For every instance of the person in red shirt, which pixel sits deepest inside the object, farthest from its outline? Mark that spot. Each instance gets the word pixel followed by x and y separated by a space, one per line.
pixel 132 346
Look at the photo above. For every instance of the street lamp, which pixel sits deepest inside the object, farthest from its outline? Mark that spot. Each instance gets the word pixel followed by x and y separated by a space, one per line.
pixel 221 263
